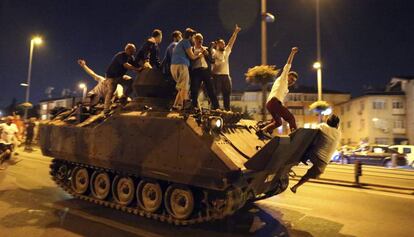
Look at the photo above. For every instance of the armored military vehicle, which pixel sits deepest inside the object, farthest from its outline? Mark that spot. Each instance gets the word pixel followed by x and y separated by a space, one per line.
pixel 178 167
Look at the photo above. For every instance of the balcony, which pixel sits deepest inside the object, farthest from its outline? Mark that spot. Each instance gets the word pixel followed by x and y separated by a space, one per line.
pixel 398 111
pixel 398 130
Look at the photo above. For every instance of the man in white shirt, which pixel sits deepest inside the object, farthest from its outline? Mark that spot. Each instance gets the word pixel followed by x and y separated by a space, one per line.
pixel 277 95
pixel 220 68
pixel 8 137
pixel 98 93
pixel 322 149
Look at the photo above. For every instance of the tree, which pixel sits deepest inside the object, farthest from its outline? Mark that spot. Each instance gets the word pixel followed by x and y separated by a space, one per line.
pixel 262 75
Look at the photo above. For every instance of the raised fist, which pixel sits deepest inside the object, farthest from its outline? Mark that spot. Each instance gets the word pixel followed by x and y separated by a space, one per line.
pixel 81 62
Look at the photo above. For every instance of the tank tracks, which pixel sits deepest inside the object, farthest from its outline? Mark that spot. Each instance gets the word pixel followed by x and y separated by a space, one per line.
pixel 210 214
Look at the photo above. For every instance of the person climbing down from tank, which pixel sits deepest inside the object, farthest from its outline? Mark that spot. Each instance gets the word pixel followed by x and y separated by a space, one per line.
pixel 322 149
pixel 97 94
pixel 276 97
pixel 180 61
pixel 120 64
pixel 148 55
pixel 200 73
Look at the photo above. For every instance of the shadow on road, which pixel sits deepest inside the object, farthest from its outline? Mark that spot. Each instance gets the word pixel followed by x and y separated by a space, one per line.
pixel 50 208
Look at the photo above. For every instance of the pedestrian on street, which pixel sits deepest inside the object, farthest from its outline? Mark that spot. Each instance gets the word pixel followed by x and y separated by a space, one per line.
pixel 8 139
pixel 30 127
pixel 322 150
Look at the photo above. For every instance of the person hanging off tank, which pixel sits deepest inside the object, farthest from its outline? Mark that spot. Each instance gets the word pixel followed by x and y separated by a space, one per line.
pixel 322 149
pixel 276 97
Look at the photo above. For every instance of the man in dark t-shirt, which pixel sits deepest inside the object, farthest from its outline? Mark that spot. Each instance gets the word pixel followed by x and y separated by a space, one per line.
pixel 120 64
pixel 148 55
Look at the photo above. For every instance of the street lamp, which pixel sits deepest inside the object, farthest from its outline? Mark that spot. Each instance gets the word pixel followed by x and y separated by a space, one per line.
pixel 84 89
pixel 34 41
pixel 318 67
pixel 266 18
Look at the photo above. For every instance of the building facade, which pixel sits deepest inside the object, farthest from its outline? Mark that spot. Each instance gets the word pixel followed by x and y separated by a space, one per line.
pixel 378 118
pixel 46 106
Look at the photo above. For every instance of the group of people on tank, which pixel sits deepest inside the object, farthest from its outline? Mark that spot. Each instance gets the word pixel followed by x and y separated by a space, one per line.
pixel 187 61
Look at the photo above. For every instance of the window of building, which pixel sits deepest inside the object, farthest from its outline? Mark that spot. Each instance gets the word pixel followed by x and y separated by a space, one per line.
pixel 362 106
pixel 362 124
pixel 378 104
pixel 397 104
pixel 382 140
pixel 250 97
pixel 236 97
pixel 44 107
pixel 296 110
pixel 309 97
pixel 349 124
pixel 399 124
pixel 295 97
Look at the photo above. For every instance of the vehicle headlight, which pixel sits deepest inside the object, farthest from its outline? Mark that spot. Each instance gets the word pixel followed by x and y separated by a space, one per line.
pixel 216 123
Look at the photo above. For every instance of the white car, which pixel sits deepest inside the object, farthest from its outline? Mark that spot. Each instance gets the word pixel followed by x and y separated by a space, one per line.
pixel 408 150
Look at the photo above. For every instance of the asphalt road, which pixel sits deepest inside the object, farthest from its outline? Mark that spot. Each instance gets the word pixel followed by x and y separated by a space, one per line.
pixel 32 205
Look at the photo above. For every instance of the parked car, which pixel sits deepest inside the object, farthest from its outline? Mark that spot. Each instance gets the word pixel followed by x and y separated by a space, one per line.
pixel 408 150
pixel 375 155
pixel 340 152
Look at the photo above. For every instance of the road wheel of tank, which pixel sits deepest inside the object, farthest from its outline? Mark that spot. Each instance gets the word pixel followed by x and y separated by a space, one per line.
pixel 123 190
pixel 149 195
pixel 100 184
pixel 80 180
pixel 62 172
pixel 179 201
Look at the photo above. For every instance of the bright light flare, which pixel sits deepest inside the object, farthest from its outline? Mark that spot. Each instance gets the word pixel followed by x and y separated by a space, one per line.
pixel 317 65
pixel 37 40
pixel 82 85
pixel 24 84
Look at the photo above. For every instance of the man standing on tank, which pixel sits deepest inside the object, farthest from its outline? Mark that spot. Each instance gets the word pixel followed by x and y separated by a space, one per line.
pixel 148 55
pixel 180 61
pixel 200 73
pixel 166 62
pixel 220 68
pixel 120 64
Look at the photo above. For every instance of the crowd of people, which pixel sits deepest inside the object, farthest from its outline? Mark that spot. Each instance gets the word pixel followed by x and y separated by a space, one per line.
pixel 15 132
pixel 192 66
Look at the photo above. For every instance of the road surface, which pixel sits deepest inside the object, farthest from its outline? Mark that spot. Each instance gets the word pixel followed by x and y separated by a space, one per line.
pixel 32 205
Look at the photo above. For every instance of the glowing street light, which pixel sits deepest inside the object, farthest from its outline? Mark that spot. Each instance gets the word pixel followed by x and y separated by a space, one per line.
pixel 84 89
pixel 34 41
pixel 317 65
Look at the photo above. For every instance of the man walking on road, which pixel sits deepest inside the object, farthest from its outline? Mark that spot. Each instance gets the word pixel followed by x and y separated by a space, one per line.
pixel 322 150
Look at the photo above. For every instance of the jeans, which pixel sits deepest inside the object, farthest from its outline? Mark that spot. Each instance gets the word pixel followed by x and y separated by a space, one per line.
pixel 222 84
pixel 278 111
pixel 198 76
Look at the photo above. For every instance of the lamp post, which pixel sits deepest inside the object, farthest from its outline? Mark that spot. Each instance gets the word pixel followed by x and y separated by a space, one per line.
pixel 265 18
pixel 318 65
pixel 34 41
pixel 84 89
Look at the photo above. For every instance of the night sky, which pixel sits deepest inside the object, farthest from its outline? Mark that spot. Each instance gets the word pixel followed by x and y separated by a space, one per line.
pixel 363 41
